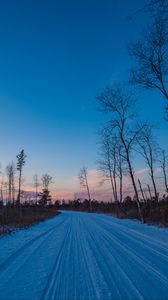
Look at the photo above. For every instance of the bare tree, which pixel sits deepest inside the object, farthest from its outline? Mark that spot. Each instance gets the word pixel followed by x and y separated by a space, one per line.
pixel 111 162
pixel 36 185
pixel 150 54
pixel 141 189
pixel 121 168
pixel 148 148
pixel 1 186
pixel 10 172
pixel 21 157
pixel 13 185
pixel 46 180
pixel 120 104
pixel 149 190
pixel 154 7
pixel 114 156
pixel 83 179
pixel 5 184
pixel 107 163
pixel 164 162
pixel 158 7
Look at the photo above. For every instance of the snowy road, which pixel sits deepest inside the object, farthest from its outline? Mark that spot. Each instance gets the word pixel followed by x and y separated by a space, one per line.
pixel 85 256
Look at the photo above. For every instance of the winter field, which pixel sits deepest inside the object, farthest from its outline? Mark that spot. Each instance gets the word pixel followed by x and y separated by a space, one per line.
pixel 85 256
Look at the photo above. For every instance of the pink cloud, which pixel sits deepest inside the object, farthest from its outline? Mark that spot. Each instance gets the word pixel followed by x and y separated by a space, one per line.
pixel 141 171
pixel 100 189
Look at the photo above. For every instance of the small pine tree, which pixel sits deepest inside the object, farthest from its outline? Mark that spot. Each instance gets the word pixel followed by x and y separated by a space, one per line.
pixel 45 197
pixel 21 159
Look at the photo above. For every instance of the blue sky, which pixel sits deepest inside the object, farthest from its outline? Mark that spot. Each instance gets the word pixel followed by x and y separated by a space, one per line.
pixel 55 57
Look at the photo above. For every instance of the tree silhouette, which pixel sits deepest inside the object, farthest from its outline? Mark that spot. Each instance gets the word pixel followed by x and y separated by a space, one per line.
pixel 45 196
pixel 21 159
pixel 83 179
pixel 150 54
pixel 10 172
pixel 121 103
pixel 148 148
pixel 36 185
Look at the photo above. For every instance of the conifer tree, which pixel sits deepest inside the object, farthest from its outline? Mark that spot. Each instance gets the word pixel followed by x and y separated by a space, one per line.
pixel 21 159
pixel 45 196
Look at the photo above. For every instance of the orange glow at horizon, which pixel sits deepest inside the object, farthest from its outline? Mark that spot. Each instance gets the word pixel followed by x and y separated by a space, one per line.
pixel 100 190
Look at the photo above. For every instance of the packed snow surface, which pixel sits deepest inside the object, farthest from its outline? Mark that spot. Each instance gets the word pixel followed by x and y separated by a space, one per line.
pixel 85 256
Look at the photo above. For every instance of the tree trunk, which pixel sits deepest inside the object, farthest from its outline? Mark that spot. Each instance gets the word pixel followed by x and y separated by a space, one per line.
pixel 90 205
pixel 10 188
pixel 165 179
pixel 20 177
pixel 121 181
pixel 115 186
pixel 36 194
pixel 135 190
pixel 141 190
pixel 154 186
pixel 150 194
pixel 112 185
pixel 132 178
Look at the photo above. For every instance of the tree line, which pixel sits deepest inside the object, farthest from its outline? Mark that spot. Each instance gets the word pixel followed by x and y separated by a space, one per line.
pixel 11 189
pixel 124 133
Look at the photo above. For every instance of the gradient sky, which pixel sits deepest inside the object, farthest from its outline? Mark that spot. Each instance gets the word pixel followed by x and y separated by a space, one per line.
pixel 55 57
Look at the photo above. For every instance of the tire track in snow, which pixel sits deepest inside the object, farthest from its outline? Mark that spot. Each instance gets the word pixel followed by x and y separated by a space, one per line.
pixel 142 266
pixel 154 243
pixel 18 260
pixel 19 251
pixel 48 292
pixel 144 247
pixel 107 282
pixel 68 265
pixel 85 257
pixel 92 272
pixel 110 260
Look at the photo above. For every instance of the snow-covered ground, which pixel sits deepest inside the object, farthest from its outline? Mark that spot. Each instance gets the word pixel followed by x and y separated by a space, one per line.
pixel 85 256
